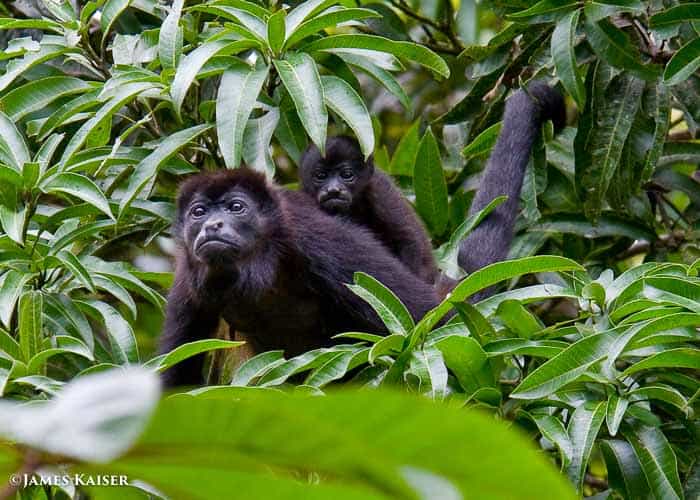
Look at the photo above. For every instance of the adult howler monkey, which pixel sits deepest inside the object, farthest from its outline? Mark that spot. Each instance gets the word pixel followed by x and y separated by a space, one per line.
pixel 343 183
pixel 274 266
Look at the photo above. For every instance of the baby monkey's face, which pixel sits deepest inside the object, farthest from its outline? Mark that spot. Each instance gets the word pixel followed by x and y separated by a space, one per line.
pixel 337 186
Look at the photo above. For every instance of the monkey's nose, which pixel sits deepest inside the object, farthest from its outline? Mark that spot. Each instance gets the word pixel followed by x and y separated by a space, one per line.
pixel 213 226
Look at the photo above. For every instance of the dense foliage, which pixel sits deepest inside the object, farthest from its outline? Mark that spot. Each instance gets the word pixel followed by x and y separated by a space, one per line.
pixel 590 348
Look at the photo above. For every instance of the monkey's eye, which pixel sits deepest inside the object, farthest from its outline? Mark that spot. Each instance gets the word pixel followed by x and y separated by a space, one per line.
pixel 320 175
pixel 236 207
pixel 347 174
pixel 198 211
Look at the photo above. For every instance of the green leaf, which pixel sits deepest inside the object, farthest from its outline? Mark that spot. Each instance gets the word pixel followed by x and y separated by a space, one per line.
pixel 38 24
pixel 110 11
pixel 675 15
pixel 67 112
pixel 683 64
pixel 82 231
pixel 251 27
pixel 489 276
pixel 543 7
pixel 390 345
pixel 537 348
pixel 657 460
pixel 613 46
pixel 564 56
pixel 449 252
pixel 564 367
pixel 336 367
pixel 120 334
pixel 170 38
pixel 93 418
pixel 257 136
pixel 615 410
pixel 251 8
pixel 583 429
pixel 17 67
pixel 93 126
pixel 276 31
pixel 79 186
pixel 64 345
pixel 38 94
pixel 525 295
pixel 300 77
pixel 192 63
pixel 257 366
pixel 12 221
pixel 553 430
pixel 327 20
pixel 624 472
pixel 118 291
pixel 387 305
pixel 122 274
pixel 149 166
pixel 71 262
pixel 663 393
pixel 238 91
pixel 30 323
pixel 380 75
pixel 672 358
pixel 404 159
pixel 62 309
pixel 365 337
pixel 661 112
pixel 304 11
pixel 12 286
pixel 45 154
pixel 467 361
pixel 13 149
pixel 609 135
pixel 306 361
pixel 482 143
pixel 403 50
pixel 455 447
pixel 518 319
pixel 341 98
pixel 186 351
pixel 500 271
pixel 430 186
pixel 428 366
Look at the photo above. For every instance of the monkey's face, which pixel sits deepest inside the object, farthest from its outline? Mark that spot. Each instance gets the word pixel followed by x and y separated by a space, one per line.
pixel 338 179
pixel 336 186
pixel 223 230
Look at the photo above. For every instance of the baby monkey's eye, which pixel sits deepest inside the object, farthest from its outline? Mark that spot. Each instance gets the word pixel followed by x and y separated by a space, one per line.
pixel 347 174
pixel 320 175
pixel 198 211
pixel 236 207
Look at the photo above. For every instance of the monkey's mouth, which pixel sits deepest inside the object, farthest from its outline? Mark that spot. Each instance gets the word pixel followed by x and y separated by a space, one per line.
pixel 215 245
pixel 336 203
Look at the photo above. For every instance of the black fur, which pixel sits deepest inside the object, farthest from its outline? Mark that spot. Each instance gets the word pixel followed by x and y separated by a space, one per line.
pixel 525 112
pixel 369 198
pixel 282 283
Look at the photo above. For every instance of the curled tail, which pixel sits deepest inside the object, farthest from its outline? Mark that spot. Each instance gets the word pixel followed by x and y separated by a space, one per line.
pixel 522 121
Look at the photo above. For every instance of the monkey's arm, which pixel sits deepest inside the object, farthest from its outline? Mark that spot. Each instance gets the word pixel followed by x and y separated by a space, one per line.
pixel 504 173
pixel 335 249
pixel 185 322
pixel 400 227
